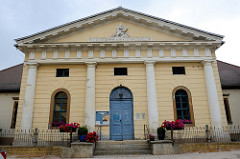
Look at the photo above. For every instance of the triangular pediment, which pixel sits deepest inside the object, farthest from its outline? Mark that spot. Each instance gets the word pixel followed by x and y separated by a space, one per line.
pixel 107 31
pixel 104 25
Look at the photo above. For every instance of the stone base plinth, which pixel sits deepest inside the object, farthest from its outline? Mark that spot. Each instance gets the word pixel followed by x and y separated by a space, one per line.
pixel 163 147
pixel 79 150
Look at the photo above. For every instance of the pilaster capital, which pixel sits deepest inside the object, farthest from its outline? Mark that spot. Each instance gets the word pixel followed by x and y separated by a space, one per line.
pixel 32 65
pixel 149 62
pixel 207 62
pixel 91 64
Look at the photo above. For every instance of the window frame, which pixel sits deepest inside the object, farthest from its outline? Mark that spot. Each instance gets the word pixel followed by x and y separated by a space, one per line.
pixel 62 73
pixel 120 68
pixel 52 104
pixel 179 67
pixel 189 104
pixel 227 110
pixel 14 112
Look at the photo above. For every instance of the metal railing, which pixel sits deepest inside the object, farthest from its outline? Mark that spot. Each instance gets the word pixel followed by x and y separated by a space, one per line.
pixel 205 134
pixel 49 137
pixel 52 137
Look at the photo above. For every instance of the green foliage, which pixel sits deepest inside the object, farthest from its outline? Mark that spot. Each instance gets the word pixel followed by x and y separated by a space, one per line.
pixel 82 131
pixel 160 130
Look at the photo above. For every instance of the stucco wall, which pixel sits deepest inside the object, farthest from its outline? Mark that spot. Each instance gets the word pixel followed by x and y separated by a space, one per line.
pixel 6 108
pixel 234 104
pixel 47 83
pixel 194 80
pixel 135 81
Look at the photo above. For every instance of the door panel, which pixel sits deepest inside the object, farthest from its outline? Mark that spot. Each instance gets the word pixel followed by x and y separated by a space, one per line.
pixel 121 115
pixel 127 120
pixel 115 121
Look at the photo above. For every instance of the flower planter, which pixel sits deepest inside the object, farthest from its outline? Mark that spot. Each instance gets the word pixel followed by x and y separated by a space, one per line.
pixel 178 129
pixel 169 128
pixel 161 136
pixel 74 129
pixel 82 138
pixel 152 139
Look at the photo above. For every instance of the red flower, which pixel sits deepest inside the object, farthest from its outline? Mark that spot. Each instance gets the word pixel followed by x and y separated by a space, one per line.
pixel 92 137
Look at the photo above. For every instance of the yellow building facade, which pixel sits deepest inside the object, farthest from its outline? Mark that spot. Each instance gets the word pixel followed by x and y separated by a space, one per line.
pixel 120 70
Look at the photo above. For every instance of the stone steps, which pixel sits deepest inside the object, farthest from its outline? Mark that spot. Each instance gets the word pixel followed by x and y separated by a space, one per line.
pixel 115 152
pixel 122 147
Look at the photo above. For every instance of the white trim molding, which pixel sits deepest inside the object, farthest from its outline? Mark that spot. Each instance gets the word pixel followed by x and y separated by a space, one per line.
pixel 114 53
pixel 67 53
pixel 137 52
pixel 32 55
pixel 55 54
pixel 79 53
pixel 196 52
pixel 161 53
pixel 102 53
pixel 44 54
pixel 173 52
pixel 149 52
pixel 90 53
pixel 207 52
pixel 126 53
pixel 184 52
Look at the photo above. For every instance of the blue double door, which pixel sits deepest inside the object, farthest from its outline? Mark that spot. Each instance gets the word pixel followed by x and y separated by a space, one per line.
pixel 121 115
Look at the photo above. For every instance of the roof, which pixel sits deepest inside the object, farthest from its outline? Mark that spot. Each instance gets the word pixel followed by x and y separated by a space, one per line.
pixel 10 79
pixel 116 9
pixel 229 75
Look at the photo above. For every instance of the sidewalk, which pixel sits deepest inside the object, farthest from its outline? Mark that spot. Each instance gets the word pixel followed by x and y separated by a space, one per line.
pixel 235 154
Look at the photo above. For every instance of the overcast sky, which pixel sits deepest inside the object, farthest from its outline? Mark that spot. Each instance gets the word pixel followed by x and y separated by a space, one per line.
pixel 21 18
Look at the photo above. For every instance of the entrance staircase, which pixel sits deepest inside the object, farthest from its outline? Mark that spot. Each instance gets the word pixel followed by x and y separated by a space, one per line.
pixel 122 147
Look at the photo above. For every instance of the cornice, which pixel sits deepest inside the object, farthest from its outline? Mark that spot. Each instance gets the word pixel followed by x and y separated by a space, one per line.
pixel 137 17
pixel 124 44
pixel 63 61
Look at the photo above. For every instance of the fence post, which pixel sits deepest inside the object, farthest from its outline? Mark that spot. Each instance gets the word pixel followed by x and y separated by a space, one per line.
pixel 144 133
pixel 70 134
pixel 35 137
pixel 208 134
pixel 172 135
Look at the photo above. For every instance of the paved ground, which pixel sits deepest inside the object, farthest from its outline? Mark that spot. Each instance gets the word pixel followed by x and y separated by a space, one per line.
pixel 209 155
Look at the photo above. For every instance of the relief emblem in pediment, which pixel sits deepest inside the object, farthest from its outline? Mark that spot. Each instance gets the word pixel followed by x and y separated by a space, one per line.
pixel 119 30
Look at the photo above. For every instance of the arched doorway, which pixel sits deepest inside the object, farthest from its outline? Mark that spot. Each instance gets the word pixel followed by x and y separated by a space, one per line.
pixel 121 114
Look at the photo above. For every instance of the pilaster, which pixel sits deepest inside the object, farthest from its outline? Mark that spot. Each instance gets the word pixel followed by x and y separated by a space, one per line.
pixel 213 101
pixel 28 104
pixel 90 113
pixel 151 97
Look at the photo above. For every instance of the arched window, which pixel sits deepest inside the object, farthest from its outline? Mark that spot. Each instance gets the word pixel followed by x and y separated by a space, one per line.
pixel 183 104
pixel 59 111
